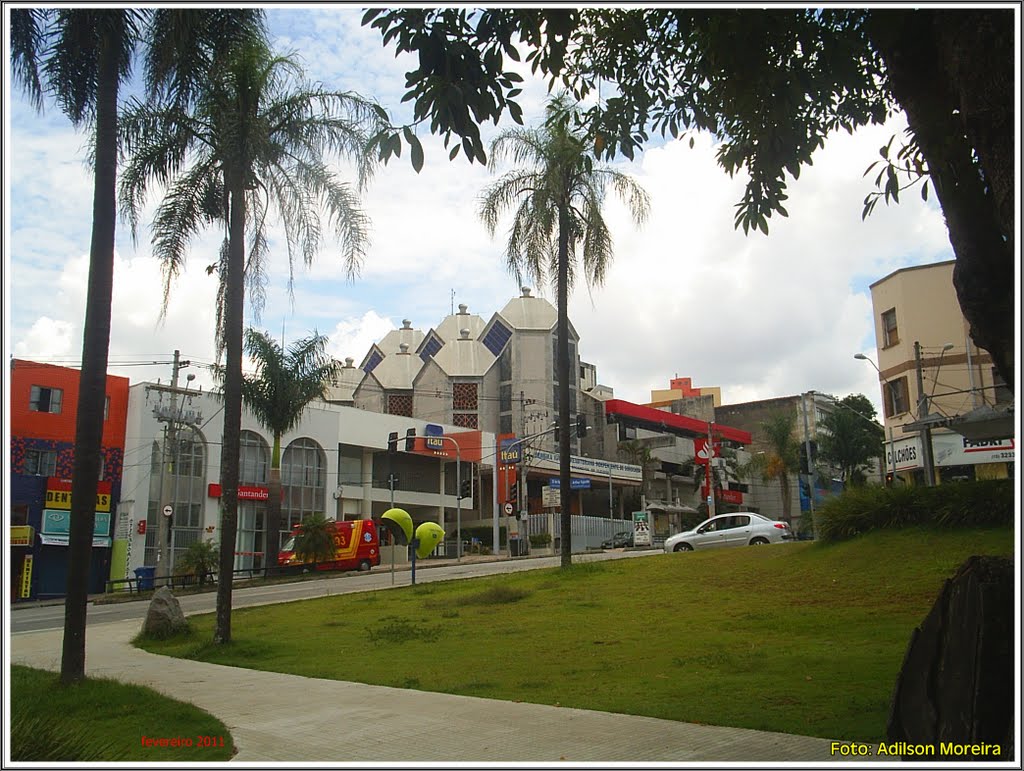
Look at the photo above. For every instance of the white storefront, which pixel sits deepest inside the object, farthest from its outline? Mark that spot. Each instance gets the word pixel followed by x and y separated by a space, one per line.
pixel 335 461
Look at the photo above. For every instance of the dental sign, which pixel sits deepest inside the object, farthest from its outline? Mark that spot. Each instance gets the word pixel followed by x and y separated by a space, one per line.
pixel 957 450
pixel 951 450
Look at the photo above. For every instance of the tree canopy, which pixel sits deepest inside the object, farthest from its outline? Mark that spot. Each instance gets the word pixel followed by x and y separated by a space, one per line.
pixel 770 85
pixel 849 438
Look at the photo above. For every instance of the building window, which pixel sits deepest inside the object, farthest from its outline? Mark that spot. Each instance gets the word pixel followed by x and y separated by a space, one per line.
pixel 41 463
pixel 400 404
pixel 505 365
pixel 190 455
pixel 253 459
pixel 464 396
pixel 897 400
pixel 505 424
pixel 19 514
pixel 890 334
pixel 464 420
pixel 1003 395
pixel 375 358
pixel 496 337
pixel 304 478
pixel 106 408
pixel 45 399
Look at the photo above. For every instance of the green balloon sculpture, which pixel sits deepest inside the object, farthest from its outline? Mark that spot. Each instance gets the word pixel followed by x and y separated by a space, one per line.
pixel 426 538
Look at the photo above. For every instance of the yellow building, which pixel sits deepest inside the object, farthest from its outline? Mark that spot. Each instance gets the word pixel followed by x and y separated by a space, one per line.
pixel 923 338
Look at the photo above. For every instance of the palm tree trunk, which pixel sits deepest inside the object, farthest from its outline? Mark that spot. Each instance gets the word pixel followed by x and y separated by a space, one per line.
pixel 272 539
pixel 784 487
pixel 233 309
pixel 95 348
pixel 564 444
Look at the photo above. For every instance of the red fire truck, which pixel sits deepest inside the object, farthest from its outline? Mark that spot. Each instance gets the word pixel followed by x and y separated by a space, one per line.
pixel 356 547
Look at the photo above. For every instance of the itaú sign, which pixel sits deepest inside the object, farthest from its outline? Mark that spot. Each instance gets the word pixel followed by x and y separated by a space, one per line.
pixel 244 493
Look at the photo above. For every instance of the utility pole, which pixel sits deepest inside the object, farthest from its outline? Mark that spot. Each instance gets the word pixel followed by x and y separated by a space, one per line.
pixel 163 567
pixel 807 447
pixel 709 473
pixel 922 415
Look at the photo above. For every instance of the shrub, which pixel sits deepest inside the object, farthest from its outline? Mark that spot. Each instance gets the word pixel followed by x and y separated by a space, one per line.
pixel 200 559
pixel 540 539
pixel 987 503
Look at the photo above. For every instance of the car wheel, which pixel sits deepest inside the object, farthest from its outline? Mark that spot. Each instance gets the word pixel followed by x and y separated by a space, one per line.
pixel 683 547
pixel 364 566
pixel 758 542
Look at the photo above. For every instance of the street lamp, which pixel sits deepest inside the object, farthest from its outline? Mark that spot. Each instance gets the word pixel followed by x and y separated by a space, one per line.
pixel 892 442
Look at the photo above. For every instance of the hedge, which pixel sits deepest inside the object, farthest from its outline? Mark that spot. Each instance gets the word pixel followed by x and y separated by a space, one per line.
pixel 986 503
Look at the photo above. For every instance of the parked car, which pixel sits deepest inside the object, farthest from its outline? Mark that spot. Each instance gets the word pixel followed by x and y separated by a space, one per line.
pixel 738 528
pixel 620 539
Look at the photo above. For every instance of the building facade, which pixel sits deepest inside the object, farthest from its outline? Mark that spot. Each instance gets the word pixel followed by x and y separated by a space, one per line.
pixel 335 462
pixel 44 411
pixel 930 371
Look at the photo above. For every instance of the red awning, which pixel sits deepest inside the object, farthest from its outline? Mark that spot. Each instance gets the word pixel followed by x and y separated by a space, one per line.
pixel 667 422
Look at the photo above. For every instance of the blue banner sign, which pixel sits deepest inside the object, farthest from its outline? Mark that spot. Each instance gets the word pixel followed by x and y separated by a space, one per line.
pixel 574 483
pixel 433 433
pixel 510 449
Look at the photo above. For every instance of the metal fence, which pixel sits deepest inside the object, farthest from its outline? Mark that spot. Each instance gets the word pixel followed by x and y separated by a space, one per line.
pixel 587 532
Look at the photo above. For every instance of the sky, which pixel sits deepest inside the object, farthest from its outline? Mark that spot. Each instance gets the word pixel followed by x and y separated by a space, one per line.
pixel 687 295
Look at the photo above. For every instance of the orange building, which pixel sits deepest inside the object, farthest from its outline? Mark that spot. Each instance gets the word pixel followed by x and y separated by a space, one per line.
pixel 44 410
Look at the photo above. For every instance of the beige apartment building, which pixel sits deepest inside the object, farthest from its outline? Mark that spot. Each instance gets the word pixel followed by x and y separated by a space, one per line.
pixel 933 376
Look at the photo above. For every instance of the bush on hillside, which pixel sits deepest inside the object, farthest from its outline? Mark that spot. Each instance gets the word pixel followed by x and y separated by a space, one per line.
pixel 987 503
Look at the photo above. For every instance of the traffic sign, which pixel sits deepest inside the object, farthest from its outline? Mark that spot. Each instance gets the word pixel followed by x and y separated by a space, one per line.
pixel 508 509
pixel 168 511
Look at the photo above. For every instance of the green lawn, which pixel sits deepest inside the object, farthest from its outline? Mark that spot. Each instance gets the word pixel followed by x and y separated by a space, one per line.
pixel 804 638
pixel 101 720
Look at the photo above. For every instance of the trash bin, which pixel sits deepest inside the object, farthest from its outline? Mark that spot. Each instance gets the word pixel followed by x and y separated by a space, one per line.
pixel 144 576
pixel 517 547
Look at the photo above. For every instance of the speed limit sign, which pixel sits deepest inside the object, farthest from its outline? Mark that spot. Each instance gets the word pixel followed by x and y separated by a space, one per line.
pixel 508 509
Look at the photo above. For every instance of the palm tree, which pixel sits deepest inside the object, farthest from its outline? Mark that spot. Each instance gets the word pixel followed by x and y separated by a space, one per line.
pixel 314 541
pixel 81 57
pixel 782 457
pixel 284 385
pixel 254 137
pixel 199 560
pixel 559 193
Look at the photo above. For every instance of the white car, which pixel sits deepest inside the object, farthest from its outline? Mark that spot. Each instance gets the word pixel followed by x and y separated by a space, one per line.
pixel 739 528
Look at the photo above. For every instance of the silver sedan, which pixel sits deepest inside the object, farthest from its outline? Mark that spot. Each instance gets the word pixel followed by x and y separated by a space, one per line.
pixel 740 528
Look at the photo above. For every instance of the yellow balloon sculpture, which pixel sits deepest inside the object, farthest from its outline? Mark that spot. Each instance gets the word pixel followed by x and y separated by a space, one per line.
pixel 399 523
pixel 430 534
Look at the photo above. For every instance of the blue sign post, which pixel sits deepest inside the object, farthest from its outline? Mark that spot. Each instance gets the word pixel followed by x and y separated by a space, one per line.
pixel 575 483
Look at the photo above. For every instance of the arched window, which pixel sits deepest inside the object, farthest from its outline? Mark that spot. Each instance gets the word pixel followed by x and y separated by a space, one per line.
pixel 254 458
pixel 304 479
pixel 181 482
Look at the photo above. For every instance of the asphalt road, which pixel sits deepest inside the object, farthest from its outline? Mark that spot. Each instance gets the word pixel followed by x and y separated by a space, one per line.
pixel 38 618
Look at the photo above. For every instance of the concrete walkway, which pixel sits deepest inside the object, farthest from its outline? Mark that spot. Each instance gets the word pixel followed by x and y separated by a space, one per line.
pixel 276 718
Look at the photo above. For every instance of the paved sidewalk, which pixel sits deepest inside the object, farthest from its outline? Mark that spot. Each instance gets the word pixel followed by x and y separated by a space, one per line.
pixel 280 718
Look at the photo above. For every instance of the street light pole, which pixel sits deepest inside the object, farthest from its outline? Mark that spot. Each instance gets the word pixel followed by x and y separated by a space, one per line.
pixel 807 447
pixel 892 442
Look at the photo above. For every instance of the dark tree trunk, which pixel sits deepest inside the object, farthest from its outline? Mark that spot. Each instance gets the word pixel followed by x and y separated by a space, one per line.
pixel 952 73
pixel 95 348
pixel 234 298
pixel 564 443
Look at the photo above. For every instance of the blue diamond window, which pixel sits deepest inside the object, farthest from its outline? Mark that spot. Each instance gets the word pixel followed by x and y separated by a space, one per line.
pixel 496 337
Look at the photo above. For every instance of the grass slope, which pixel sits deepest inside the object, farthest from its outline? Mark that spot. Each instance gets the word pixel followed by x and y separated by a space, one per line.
pixel 101 720
pixel 803 638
